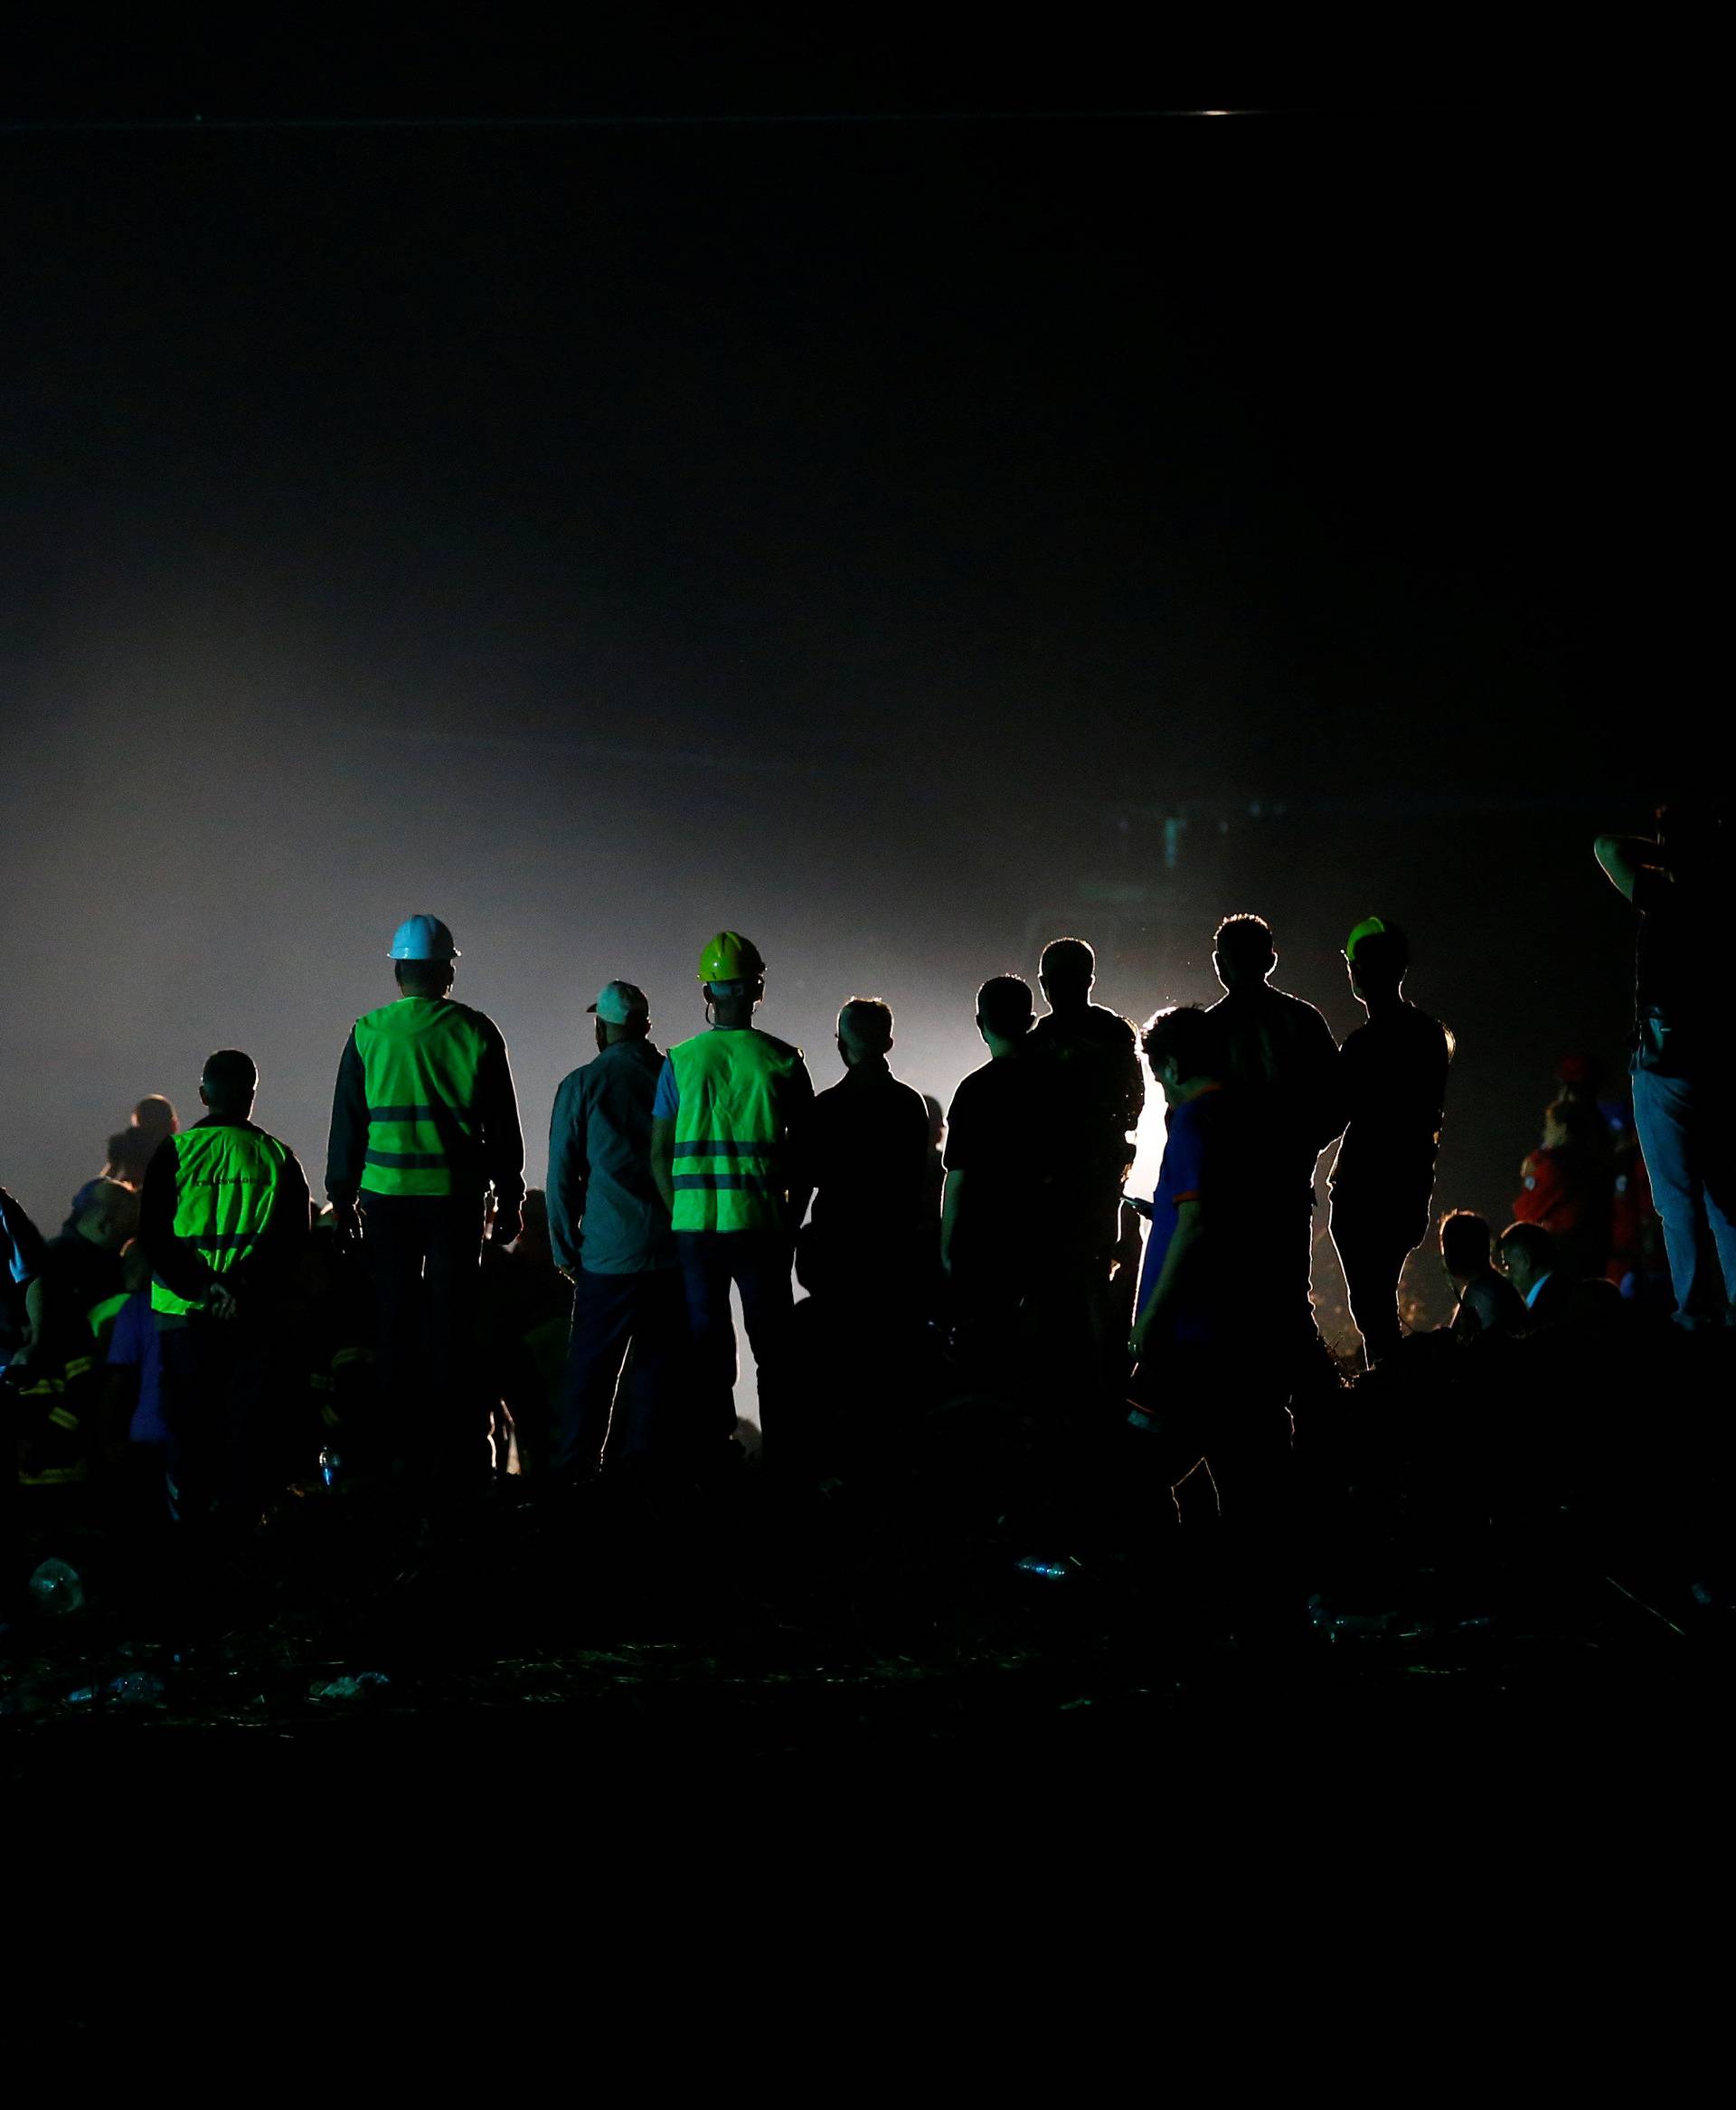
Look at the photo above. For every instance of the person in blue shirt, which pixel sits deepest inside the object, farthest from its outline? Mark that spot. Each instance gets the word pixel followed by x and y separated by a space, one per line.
pixel 609 1232
pixel 1180 1292
pixel 1211 1379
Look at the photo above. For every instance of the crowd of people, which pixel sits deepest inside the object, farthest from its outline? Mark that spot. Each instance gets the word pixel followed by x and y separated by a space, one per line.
pixel 200 1334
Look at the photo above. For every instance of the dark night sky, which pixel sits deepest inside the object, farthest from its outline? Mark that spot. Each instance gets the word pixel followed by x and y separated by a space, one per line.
pixel 862 532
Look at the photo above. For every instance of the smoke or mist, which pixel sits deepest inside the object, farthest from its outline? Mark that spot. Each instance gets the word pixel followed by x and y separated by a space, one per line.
pixel 902 548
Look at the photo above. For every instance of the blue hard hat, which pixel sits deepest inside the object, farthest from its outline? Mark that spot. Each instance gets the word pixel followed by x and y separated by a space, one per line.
pixel 422 938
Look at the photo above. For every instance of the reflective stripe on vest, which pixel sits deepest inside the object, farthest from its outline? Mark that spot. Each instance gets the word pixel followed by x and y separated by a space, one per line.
pixel 420 1060
pixel 729 1130
pixel 105 1313
pixel 225 1188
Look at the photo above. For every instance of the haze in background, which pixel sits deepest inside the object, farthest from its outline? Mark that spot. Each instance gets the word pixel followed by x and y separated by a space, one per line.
pixel 901 545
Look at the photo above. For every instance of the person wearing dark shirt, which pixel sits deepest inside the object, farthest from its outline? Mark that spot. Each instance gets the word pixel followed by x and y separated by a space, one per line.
pixel 608 1231
pixel 1683 1110
pixel 1000 1129
pixel 865 1145
pixel 71 1304
pixel 1279 1057
pixel 223 1219
pixel 424 1122
pixel 1484 1302
pixel 1099 1095
pixel 1394 1079
pixel 1533 1269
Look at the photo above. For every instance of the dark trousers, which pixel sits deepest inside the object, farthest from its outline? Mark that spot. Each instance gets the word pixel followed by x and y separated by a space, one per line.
pixel 643 1418
pixel 223 1403
pixel 1372 1248
pixel 424 1254
pixel 758 1263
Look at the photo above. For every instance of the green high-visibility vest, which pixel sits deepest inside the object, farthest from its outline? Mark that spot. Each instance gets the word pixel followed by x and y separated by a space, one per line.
pixel 729 1129
pixel 226 1182
pixel 421 1057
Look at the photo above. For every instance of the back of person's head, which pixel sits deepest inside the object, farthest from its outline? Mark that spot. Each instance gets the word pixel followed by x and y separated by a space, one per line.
pixel 1532 1246
pixel 1243 950
pixel 105 1211
pixel 937 1118
pixel 1465 1243
pixel 1577 1122
pixel 424 978
pixel 1182 1035
pixel 156 1115
pixel 865 1027
pixel 229 1080
pixel 1005 1006
pixel 1379 954
pixel 1067 969
pixel 1579 1076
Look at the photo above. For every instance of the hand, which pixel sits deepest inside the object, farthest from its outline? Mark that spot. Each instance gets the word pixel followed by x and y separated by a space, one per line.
pixel 221 1304
pixel 508 1224
pixel 347 1221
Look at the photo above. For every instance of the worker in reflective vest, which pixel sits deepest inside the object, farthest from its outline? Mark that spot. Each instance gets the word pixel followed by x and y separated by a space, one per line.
pixel 223 1219
pixel 424 1122
pixel 729 1104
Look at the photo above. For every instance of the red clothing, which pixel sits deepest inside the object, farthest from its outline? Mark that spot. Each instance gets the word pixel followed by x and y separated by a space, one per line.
pixel 1567 1191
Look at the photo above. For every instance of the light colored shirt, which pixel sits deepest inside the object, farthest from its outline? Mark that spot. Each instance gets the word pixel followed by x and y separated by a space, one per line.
pixel 605 1213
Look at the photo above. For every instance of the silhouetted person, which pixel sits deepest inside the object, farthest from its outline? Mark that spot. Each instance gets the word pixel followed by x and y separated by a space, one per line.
pixel 1684 1108
pixel 70 1304
pixel 1393 1074
pixel 1100 1094
pixel 1484 1302
pixel 865 1150
pixel 608 1228
pixel 1188 1292
pixel 1532 1266
pixel 1280 1048
pixel 132 1150
pixel 999 1128
pixel 1566 1186
pixel 424 1121
pixel 726 1122
pixel 224 1220
pixel 1211 1381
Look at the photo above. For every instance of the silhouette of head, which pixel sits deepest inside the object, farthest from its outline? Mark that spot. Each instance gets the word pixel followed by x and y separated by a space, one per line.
pixel 1528 1253
pixel 1003 1007
pixel 1466 1243
pixel 1376 954
pixel 864 1029
pixel 155 1116
pixel 936 1120
pixel 1181 1045
pixel 1244 953
pixel 105 1212
pixel 1066 971
pixel 227 1084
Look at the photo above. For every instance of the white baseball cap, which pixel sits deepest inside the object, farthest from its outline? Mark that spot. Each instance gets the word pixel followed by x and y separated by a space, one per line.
pixel 617 1001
